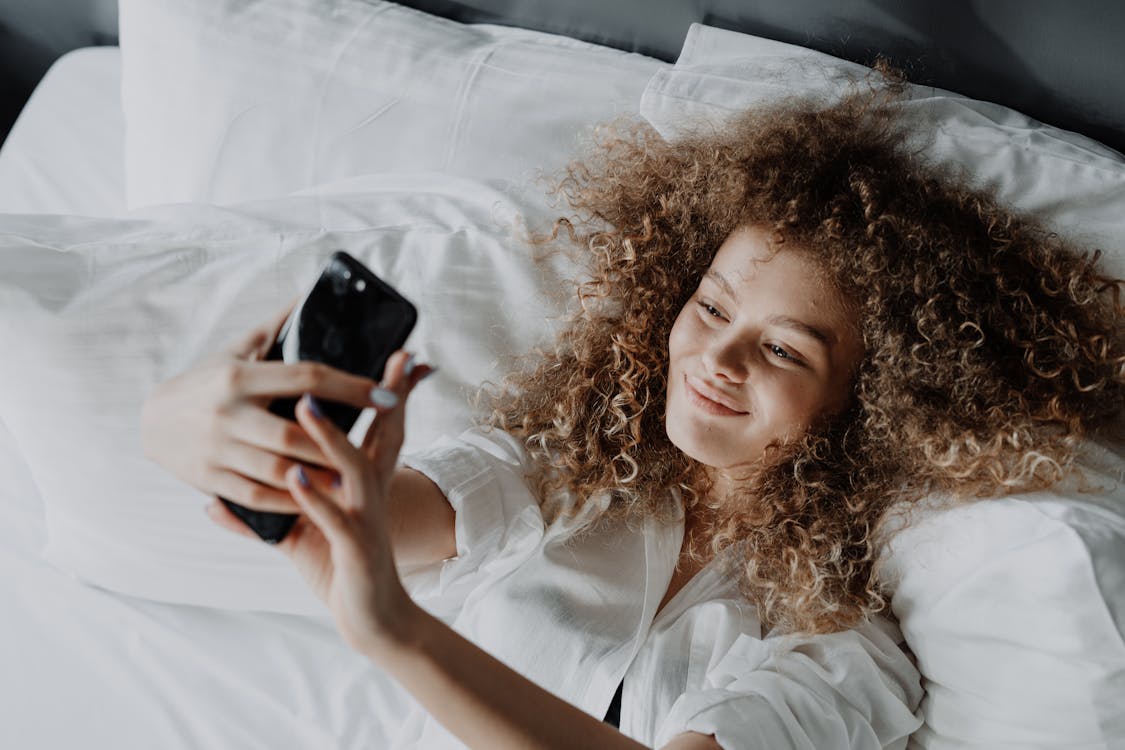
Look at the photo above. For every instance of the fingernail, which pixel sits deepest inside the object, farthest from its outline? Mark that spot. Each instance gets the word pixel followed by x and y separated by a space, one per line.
pixel 383 398
pixel 409 366
pixel 302 477
pixel 314 407
pixel 336 481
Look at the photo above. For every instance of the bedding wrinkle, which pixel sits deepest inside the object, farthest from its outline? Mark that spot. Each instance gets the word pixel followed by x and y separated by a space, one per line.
pixel 221 150
pixel 459 116
pixel 312 177
pixel 369 119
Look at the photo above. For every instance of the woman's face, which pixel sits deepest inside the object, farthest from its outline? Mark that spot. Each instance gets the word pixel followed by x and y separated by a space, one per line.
pixel 762 348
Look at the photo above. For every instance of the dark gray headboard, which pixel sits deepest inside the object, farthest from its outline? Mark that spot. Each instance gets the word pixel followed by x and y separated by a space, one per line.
pixel 1061 62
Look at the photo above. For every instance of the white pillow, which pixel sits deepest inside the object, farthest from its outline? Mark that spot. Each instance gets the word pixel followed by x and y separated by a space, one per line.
pixel 1015 611
pixel 238 100
pixel 97 312
pixel 1076 184
pixel 1015 608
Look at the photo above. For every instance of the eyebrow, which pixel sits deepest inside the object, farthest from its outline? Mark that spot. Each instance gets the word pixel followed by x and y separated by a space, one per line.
pixel 786 321
pixel 801 326
pixel 721 281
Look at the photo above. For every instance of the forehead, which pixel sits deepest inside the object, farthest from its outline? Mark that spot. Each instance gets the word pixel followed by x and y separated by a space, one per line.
pixel 748 255
pixel 757 272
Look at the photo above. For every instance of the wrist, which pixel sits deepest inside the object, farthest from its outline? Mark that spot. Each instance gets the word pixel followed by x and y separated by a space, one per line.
pixel 400 635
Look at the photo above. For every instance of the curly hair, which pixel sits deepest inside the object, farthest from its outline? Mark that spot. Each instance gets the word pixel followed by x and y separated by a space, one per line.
pixel 992 347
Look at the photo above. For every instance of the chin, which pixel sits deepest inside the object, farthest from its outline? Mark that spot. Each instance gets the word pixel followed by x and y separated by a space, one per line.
pixel 698 447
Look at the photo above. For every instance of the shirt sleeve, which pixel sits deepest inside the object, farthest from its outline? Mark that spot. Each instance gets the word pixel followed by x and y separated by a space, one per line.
pixel 849 691
pixel 498 522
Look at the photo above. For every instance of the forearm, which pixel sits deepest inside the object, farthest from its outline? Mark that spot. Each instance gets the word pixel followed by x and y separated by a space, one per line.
pixel 484 702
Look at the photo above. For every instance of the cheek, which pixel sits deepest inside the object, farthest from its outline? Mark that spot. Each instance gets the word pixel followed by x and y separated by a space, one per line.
pixel 680 338
pixel 796 404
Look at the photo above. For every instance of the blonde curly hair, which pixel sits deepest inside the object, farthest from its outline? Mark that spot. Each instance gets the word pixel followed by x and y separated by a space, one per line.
pixel 992 346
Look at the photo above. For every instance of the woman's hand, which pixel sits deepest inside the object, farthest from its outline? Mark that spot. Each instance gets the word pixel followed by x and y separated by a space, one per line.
pixel 210 427
pixel 341 543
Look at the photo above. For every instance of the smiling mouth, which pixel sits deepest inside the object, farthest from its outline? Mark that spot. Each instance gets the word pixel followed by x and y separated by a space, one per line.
pixel 709 405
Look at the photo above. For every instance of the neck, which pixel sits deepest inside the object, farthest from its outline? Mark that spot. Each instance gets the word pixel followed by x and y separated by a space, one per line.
pixel 722 490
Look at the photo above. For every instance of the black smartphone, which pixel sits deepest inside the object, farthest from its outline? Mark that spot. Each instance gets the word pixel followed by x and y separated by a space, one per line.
pixel 351 320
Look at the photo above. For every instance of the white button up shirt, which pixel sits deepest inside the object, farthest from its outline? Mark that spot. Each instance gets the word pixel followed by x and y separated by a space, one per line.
pixel 577 615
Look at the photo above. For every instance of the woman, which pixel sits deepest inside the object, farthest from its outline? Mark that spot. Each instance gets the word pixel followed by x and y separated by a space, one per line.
pixel 791 330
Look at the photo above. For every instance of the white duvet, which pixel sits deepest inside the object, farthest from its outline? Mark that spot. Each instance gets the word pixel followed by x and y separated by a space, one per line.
pixel 93 313
pixel 84 667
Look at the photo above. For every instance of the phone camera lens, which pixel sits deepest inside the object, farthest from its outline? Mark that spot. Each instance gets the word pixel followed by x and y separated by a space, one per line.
pixel 360 285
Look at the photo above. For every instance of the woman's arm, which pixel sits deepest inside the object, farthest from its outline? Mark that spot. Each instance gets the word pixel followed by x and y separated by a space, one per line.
pixel 489 705
pixel 421 520
pixel 342 546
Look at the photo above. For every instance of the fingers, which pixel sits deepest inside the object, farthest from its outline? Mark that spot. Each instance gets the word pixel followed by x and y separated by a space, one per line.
pixel 385 434
pixel 264 445
pixel 269 493
pixel 321 509
pixel 221 515
pixel 278 379
pixel 250 493
pixel 331 440
pixel 257 342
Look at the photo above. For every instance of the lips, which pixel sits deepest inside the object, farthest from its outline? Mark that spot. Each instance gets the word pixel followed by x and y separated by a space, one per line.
pixel 711 400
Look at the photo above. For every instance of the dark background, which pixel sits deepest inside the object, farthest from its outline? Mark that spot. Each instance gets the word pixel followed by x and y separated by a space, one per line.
pixel 1061 62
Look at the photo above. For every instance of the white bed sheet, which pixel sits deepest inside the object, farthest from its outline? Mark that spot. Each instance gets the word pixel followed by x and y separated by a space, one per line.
pixel 84 667
pixel 66 152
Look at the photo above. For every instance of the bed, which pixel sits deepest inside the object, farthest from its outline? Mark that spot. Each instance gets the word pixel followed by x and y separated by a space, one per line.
pixel 162 196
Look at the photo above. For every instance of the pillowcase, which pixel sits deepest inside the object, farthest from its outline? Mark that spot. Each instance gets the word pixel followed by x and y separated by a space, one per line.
pixel 240 100
pixel 1076 184
pixel 1015 611
pixel 97 312
pixel 1015 607
pixel 47 166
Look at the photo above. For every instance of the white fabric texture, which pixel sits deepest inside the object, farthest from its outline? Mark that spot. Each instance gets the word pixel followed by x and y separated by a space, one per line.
pixel 1072 182
pixel 1015 608
pixel 86 667
pixel 578 614
pixel 97 312
pixel 232 101
pixel 49 166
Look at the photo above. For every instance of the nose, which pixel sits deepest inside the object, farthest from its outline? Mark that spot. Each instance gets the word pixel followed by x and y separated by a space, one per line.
pixel 725 358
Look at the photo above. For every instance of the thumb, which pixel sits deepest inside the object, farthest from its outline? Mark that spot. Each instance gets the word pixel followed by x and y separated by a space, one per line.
pixel 255 344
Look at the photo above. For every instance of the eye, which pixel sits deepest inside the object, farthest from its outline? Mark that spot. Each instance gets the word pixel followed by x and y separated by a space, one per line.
pixel 709 309
pixel 782 353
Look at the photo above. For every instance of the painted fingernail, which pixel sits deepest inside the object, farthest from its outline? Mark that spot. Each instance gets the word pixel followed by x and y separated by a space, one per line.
pixel 302 477
pixel 383 398
pixel 314 407
pixel 336 481
pixel 409 366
